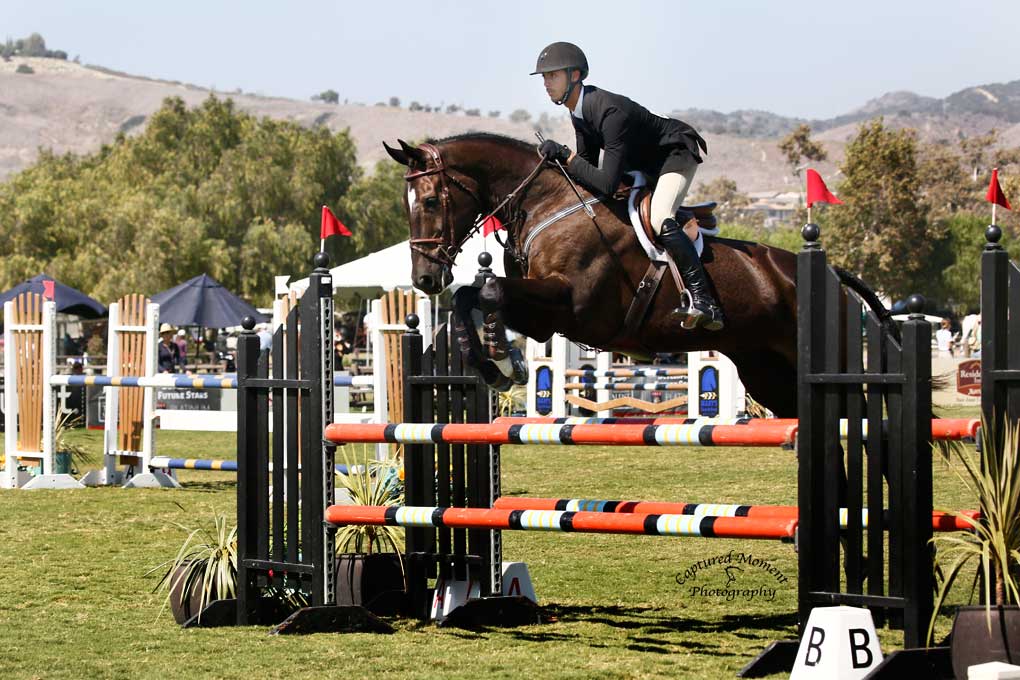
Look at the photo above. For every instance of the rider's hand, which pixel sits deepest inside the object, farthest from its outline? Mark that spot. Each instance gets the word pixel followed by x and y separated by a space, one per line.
pixel 554 151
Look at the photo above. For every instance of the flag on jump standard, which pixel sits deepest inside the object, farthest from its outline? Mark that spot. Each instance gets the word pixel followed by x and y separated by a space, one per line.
pixel 330 225
pixel 817 192
pixel 995 195
pixel 490 225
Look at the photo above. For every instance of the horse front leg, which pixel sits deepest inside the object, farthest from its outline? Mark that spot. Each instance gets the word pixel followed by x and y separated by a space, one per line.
pixel 529 306
pixel 465 303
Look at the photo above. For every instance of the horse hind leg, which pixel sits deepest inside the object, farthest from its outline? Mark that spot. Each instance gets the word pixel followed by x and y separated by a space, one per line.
pixel 770 379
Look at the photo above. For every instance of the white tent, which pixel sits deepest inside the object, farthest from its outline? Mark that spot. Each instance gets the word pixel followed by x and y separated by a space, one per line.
pixel 390 268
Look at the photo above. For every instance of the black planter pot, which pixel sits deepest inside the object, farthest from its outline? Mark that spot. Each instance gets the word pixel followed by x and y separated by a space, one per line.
pixel 972 643
pixel 375 582
pixel 183 608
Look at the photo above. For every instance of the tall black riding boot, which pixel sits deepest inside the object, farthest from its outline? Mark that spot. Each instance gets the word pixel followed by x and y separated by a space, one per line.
pixel 704 311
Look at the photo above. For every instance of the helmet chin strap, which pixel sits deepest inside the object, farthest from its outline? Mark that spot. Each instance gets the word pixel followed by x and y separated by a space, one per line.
pixel 570 88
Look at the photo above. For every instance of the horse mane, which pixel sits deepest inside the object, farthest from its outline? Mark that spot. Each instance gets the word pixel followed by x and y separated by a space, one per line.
pixel 486 136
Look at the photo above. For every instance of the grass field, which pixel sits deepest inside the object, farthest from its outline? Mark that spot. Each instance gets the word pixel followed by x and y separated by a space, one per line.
pixel 75 601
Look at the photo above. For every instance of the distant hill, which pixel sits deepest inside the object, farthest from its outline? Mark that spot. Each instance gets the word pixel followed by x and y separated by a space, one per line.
pixel 73 108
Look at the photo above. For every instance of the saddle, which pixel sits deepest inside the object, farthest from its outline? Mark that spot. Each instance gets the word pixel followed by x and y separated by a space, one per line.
pixel 702 212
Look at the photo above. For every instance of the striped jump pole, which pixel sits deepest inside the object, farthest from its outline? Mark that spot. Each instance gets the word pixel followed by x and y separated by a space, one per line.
pixel 606 435
pixel 567 521
pixel 940 521
pixel 626 373
pixel 629 387
pixel 167 463
pixel 944 429
pixel 168 380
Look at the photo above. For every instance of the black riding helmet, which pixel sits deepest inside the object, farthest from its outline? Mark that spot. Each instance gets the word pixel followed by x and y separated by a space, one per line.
pixel 559 56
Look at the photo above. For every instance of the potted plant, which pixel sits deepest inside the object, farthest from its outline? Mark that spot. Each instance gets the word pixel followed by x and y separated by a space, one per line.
pixel 69 456
pixel 989 632
pixel 205 569
pixel 369 568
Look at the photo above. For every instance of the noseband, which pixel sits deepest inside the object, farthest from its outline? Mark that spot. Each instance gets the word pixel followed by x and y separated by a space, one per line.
pixel 442 249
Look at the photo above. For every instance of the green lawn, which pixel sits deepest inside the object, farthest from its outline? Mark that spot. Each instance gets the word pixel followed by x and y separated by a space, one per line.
pixel 74 601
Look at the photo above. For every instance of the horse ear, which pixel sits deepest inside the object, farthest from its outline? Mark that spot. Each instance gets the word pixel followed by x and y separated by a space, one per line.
pixel 397 154
pixel 415 156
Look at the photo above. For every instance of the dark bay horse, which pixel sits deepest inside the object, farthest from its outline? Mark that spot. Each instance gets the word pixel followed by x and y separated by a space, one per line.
pixel 580 275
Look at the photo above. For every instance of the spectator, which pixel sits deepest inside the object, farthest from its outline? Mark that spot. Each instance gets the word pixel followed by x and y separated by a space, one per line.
pixel 182 345
pixel 944 339
pixel 265 337
pixel 77 368
pixel 169 352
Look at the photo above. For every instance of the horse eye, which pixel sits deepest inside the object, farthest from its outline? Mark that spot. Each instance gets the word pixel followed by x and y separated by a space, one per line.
pixel 431 202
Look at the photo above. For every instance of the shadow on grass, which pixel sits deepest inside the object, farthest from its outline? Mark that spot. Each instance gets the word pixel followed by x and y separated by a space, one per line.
pixel 209 486
pixel 654 630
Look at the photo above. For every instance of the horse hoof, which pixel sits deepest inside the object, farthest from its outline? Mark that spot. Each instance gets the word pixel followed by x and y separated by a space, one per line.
pixel 494 378
pixel 519 374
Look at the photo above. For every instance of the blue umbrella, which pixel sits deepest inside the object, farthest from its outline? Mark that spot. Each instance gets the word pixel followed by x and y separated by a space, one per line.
pixel 68 300
pixel 203 301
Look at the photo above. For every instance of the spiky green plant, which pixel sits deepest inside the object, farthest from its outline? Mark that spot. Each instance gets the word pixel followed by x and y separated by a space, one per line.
pixel 62 426
pixel 206 562
pixel 994 538
pixel 370 482
pixel 511 401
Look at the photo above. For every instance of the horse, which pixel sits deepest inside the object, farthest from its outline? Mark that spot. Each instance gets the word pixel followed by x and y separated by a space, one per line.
pixel 579 276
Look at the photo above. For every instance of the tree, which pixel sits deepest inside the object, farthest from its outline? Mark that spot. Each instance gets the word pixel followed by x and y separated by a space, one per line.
pixel 798 145
pixel 472 112
pixel 723 190
pixel 452 108
pixel 204 190
pixel 493 114
pixel 415 106
pixel 373 209
pixel 395 102
pixel 520 116
pixel 327 96
pixel 881 232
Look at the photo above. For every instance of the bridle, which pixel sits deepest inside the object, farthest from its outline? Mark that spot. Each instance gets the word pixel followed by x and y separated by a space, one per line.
pixel 443 249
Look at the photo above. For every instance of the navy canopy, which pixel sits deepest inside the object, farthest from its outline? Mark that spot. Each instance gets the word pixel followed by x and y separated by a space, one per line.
pixel 203 301
pixel 68 300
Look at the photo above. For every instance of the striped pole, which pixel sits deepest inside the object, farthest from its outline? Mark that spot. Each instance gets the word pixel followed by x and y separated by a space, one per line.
pixel 607 435
pixel 167 463
pixel 629 387
pixel 168 380
pixel 566 521
pixel 940 521
pixel 941 428
pixel 626 373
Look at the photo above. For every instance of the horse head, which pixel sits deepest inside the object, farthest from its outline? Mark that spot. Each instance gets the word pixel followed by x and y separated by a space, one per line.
pixel 442 205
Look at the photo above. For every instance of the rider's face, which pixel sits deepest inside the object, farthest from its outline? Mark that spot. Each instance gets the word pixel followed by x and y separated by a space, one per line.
pixel 555 84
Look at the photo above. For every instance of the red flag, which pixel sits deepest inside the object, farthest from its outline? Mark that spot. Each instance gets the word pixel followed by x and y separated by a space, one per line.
pixel 995 194
pixel 47 290
pixel 331 225
pixel 817 192
pixel 491 224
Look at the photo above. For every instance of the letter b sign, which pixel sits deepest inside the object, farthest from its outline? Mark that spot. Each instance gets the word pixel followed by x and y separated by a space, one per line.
pixel 838 643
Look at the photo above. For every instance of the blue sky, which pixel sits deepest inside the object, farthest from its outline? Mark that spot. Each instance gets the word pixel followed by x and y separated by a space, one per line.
pixel 798 58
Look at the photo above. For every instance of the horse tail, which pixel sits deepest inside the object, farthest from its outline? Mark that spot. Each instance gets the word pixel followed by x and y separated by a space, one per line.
pixel 869 296
pixel 939 382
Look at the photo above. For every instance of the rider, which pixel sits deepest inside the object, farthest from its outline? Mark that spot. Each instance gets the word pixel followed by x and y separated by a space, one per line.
pixel 632 138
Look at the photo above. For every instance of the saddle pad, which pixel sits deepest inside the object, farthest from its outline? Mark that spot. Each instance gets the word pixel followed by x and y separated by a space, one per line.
pixel 652 249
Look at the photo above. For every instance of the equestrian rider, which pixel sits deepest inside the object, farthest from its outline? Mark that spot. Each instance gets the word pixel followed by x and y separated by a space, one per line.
pixel 632 138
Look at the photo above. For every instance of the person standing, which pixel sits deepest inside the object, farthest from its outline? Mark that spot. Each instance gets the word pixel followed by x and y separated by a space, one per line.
pixel 169 354
pixel 944 339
